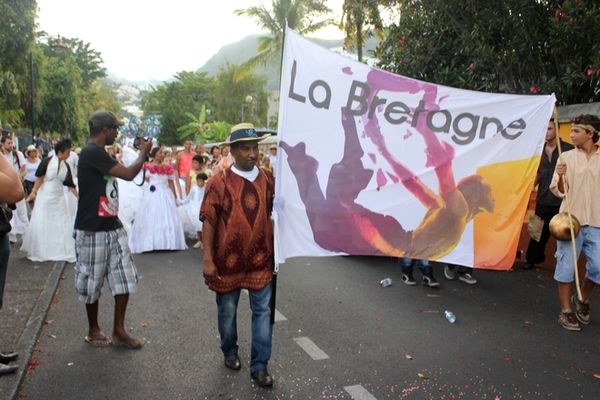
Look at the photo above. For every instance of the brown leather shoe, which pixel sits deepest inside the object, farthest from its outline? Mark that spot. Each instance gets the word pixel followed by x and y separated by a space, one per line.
pixel 262 378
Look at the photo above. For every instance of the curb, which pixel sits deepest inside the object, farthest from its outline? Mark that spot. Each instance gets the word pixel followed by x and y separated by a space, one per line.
pixel 32 330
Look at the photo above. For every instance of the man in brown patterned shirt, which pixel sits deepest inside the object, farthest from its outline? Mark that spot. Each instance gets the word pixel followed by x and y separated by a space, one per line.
pixel 238 249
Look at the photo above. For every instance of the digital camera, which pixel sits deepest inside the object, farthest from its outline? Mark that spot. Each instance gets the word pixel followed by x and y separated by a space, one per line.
pixel 138 140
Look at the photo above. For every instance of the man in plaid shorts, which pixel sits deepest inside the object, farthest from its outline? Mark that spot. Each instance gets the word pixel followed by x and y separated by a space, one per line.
pixel 100 240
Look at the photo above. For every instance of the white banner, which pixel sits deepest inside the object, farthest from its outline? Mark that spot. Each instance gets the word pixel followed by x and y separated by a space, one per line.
pixel 372 163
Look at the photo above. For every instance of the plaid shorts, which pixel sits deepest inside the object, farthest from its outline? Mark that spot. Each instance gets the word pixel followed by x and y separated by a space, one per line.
pixel 103 255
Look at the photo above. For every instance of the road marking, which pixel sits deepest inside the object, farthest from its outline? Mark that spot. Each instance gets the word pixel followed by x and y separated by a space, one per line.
pixel 279 316
pixel 311 348
pixel 359 393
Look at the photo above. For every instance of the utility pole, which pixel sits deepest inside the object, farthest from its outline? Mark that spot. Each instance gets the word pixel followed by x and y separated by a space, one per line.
pixel 32 83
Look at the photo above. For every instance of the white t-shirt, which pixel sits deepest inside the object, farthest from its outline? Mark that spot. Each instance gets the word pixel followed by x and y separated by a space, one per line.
pixel 31 168
pixel 73 161
pixel 248 175
pixel 13 161
pixel 273 162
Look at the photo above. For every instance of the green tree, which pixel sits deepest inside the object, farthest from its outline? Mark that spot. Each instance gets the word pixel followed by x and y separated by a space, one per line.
pixel 101 94
pixel 300 16
pixel 88 60
pixel 193 129
pixel 70 86
pixel 232 93
pixel 572 66
pixel 151 100
pixel 175 100
pixel 509 46
pixel 50 78
pixel 361 19
pixel 215 132
pixel 16 39
pixel 59 109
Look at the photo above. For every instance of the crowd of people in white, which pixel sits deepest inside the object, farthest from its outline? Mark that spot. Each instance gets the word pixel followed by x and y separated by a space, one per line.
pixel 169 190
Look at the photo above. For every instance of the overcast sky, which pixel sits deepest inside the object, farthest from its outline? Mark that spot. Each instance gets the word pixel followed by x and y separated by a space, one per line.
pixel 145 39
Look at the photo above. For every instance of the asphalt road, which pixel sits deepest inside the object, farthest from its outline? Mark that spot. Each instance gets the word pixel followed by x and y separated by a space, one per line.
pixel 338 336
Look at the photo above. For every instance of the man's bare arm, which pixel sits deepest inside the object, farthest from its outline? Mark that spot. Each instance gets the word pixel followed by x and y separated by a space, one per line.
pixel 128 173
pixel 11 188
pixel 208 236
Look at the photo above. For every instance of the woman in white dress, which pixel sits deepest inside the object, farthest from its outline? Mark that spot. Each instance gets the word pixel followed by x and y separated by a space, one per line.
pixel 130 192
pixel 49 236
pixel 157 225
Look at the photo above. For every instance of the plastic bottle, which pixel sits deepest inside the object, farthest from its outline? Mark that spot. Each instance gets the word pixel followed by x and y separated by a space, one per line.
pixel 450 316
pixel 385 282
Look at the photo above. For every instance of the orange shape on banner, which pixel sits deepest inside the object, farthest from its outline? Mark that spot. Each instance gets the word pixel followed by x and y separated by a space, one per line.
pixel 496 236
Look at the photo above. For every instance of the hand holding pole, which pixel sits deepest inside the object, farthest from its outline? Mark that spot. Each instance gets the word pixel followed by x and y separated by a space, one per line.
pixel 564 178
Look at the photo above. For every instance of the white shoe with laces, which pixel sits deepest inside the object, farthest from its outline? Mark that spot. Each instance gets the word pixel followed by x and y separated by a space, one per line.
pixel 198 245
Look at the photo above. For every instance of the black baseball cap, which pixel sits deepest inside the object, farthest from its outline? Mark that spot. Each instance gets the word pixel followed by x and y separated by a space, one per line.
pixel 103 119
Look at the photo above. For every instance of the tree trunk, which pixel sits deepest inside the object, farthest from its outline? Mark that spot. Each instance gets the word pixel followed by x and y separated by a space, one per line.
pixel 359 39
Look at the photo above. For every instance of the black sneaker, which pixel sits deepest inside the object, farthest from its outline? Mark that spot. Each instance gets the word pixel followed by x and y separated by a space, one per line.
pixel 568 321
pixel 428 279
pixel 449 272
pixel 427 276
pixel 582 310
pixel 466 277
pixel 408 279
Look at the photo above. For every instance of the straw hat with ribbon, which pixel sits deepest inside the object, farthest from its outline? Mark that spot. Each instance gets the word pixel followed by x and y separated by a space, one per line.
pixel 244 132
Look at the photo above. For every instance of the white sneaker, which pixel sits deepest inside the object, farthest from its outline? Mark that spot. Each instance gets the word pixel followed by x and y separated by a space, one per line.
pixel 12 238
pixel 198 245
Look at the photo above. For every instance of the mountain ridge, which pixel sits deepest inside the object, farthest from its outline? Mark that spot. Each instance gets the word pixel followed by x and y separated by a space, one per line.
pixel 239 52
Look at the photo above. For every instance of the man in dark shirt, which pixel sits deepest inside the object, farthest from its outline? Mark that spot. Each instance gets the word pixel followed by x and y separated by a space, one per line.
pixel 100 240
pixel 546 203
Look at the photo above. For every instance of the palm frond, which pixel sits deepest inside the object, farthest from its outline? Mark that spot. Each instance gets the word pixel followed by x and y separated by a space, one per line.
pixel 317 26
pixel 250 65
pixel 299 15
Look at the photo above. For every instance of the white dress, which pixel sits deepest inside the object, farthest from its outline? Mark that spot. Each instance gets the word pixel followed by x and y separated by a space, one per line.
pixel 130 192
pixel 157 225
pixel 49 236
pixel 189 210
pixel 20 219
